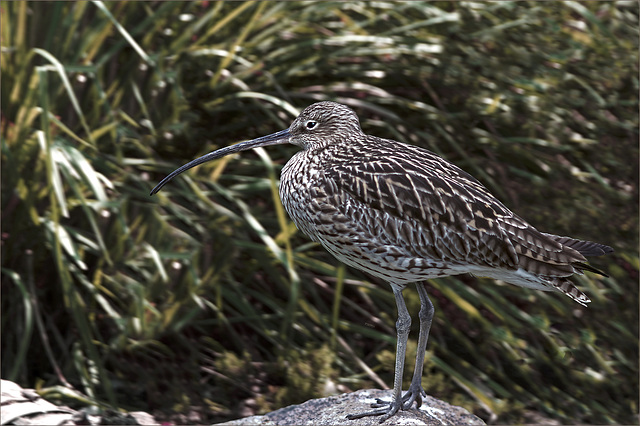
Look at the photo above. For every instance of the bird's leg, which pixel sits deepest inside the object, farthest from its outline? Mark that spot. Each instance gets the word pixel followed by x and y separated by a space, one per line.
pixel 403 325
pixel 416 392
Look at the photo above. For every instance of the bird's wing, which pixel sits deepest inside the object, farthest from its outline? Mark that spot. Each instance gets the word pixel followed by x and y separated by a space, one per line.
pixel 412 198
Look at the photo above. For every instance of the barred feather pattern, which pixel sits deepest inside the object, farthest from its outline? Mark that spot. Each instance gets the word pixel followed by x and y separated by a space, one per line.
pixel 404 214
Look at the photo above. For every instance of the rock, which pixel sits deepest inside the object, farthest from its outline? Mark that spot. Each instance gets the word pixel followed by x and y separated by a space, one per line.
pixel 25 407
pixel 334 409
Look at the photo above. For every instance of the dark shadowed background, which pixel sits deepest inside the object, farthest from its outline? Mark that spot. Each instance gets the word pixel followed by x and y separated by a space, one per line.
pixel 204 303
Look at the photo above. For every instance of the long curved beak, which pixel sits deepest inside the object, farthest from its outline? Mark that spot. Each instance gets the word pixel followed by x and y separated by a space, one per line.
pixel 277 138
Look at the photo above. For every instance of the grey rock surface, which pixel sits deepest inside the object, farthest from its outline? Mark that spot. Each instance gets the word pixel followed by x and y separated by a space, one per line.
pixel 20 406
pixel 334 409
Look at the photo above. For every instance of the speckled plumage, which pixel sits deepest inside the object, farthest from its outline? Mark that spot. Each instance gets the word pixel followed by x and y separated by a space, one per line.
pixel 404 214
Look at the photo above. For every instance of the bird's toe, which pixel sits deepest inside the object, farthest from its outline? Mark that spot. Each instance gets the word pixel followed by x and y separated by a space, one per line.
pixel 414 394
pixel 382 408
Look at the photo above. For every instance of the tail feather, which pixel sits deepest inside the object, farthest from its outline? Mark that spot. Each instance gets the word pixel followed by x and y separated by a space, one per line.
pixel 585 248
pixel 565 286
pixel 581 266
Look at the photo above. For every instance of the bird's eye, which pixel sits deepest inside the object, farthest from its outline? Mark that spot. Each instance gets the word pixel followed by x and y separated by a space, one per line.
pixel 311 124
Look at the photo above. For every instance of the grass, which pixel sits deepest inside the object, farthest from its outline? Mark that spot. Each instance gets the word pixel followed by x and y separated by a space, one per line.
pixel 206 300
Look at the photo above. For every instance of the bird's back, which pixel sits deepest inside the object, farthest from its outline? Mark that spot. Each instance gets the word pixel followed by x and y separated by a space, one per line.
pixel 401 212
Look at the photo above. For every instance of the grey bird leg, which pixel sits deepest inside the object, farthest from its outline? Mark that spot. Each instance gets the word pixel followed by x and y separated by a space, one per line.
pixel 403 325
pixel 416 392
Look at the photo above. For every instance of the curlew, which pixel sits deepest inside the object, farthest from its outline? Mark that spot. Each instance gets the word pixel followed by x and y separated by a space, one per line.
pixel 404 214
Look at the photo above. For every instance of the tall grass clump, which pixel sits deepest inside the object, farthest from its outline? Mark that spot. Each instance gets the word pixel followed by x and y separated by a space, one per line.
pixel 205 303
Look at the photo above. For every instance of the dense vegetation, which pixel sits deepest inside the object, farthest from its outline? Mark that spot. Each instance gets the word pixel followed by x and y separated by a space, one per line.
pixel 204 303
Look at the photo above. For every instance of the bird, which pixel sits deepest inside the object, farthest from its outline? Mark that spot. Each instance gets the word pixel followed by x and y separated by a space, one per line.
pixel 406 215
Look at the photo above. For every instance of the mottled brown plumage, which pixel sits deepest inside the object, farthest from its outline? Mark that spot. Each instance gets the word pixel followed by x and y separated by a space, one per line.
pixel 404 214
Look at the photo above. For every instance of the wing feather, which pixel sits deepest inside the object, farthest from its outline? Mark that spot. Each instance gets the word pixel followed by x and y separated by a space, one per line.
pixel 452 214
pixel 414 199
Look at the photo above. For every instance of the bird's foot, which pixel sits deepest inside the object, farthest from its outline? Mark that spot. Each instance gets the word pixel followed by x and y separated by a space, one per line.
pixel 414 394
pixel 388 409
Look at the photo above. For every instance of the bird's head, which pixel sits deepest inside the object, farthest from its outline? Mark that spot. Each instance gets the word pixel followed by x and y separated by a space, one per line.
pixel 323 123
pixel 317 125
